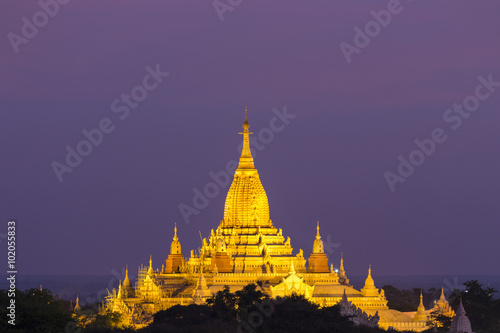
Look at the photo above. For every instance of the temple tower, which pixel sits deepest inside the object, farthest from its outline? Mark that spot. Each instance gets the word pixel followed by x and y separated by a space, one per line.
pixel 369 289
pixel 246 201
pixel 127 289
pixel 221 262
pixel 175 259
pixel 201 292
pixel 421 315
pixel 252 243
pixel 442 307
pixel 318 261
pixel 342 276
pixel 77 306
pixel 460 323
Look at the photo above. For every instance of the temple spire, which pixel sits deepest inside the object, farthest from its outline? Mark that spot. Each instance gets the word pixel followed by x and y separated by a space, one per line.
pixel 119 290
pixel 175 233
pixel 369 283
pixel 342 276
pixel 150 270
pixel 126 281
pixel 420 315
pixel 318 243
pixel 175 246
pixel 246 159
pixel 344 297
pixel 460 308
pixel 442 298
pixel 460 323
pixel 369 289
pixel 77 306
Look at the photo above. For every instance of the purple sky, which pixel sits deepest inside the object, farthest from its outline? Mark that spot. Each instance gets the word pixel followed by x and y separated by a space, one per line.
pixel 353 121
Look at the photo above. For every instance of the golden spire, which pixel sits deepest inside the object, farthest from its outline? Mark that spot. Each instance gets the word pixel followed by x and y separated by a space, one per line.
pixel 126 281
pixel 246 201
pixel 119 290
pixel 369 283
pixel 318 243
pixel 342 276
pixel 175 247
pixel 150 270
pixel 420 315
pixel 421 305
pixel 246 159
pixel 442 298
pixel 369 289
pixel 77 306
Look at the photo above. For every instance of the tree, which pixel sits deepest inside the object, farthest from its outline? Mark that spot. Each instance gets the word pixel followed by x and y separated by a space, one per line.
pixel 402 300
pixel 440 321
pixel 223 305
pixel 246 299
pixel 36 311
pixel 191 318
pixel 182 316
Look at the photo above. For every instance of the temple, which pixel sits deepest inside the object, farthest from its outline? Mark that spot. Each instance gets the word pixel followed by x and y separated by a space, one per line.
pixel 460 324
pixel 246 247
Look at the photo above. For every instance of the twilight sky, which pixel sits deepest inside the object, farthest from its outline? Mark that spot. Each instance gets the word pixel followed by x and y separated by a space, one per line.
pixel 353 121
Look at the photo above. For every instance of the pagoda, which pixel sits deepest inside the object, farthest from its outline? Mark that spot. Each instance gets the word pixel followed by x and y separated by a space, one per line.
pixel 245 248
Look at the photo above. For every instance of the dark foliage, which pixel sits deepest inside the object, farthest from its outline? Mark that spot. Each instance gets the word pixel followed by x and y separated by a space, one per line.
pixel 191 318
pixel 36 311
pixel 481 308
pixel 223 306
pixel 408 300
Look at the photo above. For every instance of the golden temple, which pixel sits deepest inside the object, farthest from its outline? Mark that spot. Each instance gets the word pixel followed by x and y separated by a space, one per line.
pixel 245 248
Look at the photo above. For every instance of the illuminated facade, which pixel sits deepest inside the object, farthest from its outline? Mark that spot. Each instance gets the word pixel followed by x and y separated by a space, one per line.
pixel 441 308
pixel 246 247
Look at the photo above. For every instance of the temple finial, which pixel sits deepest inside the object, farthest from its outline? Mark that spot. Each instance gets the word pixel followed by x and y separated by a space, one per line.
pixel 175 233
pixel 246 125
pixel 150 270
pixel 77 306
pixel 421 315
pixel 317 231
pixel 246 159
pixel 119 290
